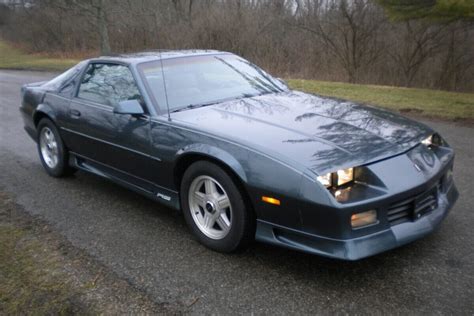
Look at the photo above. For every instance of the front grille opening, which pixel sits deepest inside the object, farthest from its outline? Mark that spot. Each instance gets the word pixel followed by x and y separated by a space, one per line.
pixel 400 212
pixel 413 208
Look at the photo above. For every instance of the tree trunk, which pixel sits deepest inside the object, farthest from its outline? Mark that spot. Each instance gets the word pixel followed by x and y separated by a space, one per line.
pixel 103 29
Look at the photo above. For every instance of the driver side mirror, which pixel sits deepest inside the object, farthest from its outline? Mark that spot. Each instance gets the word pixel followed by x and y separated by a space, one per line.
pixel 132 107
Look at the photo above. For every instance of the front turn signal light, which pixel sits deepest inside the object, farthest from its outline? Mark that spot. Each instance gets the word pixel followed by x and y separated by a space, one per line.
pixel 270 200
pixel 364 219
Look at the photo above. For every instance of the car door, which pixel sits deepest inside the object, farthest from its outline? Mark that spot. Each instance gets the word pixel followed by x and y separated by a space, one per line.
pixel 117 144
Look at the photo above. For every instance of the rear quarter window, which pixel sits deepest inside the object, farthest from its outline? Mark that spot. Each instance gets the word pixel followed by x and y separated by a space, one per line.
pixel 58 82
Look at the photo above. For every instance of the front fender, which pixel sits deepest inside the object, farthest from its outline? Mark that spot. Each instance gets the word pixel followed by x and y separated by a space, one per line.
pixel 214 153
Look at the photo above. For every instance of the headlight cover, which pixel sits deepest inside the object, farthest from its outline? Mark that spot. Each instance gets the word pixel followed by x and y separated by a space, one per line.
pixel 326 180
pixel 345 176
pixel 338 178
pixel 433 140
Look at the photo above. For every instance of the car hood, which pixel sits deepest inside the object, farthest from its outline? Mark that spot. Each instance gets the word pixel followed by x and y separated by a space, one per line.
pixel 319 133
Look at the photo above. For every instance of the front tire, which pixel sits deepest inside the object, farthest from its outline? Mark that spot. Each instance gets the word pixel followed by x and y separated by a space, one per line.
pixel 53 154
pixel 215 209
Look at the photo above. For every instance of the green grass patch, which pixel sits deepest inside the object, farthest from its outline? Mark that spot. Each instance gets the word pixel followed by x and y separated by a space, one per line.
pixel 28 282
pixel 14 58
pixel 429 103
pixel 42 274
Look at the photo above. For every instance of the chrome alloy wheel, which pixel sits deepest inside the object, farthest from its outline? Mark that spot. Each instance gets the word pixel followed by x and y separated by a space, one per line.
pixel 210 207
pixel 49 147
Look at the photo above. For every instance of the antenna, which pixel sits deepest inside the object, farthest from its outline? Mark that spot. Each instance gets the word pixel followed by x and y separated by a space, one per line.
pixel 164 85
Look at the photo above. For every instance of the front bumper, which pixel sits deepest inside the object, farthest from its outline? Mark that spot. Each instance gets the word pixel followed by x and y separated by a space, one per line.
pixel 364 246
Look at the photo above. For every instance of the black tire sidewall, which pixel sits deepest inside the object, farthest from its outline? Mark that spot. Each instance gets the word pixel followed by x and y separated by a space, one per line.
pixel 239 233
pixel 61 168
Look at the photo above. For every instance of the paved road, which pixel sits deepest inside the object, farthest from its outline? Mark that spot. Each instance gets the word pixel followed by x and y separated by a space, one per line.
pixel 150 246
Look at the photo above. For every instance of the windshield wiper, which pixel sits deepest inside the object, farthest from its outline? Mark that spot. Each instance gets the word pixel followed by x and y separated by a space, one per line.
pixel 187 107
pixel 198 105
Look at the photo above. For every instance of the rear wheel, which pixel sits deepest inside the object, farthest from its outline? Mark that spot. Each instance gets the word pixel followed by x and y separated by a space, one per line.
pixel 51 149
pixel 214 208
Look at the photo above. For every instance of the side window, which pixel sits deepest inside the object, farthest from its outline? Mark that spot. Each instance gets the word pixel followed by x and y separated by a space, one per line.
pixel 108 84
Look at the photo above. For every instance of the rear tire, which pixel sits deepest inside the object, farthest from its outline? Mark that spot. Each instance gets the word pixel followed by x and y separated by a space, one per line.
pixel 215 209
pixel 53 154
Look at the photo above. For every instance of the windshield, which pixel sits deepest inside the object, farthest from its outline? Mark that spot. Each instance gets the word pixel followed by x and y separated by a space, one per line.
pixel 201 80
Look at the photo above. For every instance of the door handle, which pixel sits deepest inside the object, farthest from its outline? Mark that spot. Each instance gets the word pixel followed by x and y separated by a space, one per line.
pixel 75 113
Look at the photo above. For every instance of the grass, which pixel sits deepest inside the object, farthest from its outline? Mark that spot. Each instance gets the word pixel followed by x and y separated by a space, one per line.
pixel 429 103
pixel 27 283
pixel 41 273
pixel 29 277
pixel 14 58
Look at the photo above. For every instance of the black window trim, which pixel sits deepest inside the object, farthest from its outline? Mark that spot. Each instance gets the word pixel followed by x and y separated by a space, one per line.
pixel 70 80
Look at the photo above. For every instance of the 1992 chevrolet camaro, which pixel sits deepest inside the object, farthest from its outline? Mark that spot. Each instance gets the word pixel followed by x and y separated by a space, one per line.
pixel 242 155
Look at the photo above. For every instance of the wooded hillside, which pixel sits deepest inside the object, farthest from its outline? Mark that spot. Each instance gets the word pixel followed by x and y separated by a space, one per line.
pixel 358 41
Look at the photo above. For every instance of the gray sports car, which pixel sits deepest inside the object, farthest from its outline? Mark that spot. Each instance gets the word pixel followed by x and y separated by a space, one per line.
pixel 242 155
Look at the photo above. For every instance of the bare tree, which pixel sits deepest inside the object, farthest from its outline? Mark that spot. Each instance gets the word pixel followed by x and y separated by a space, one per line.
pixel 350 31
pixel 457 57
pixel 414 43
pixel 94 11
